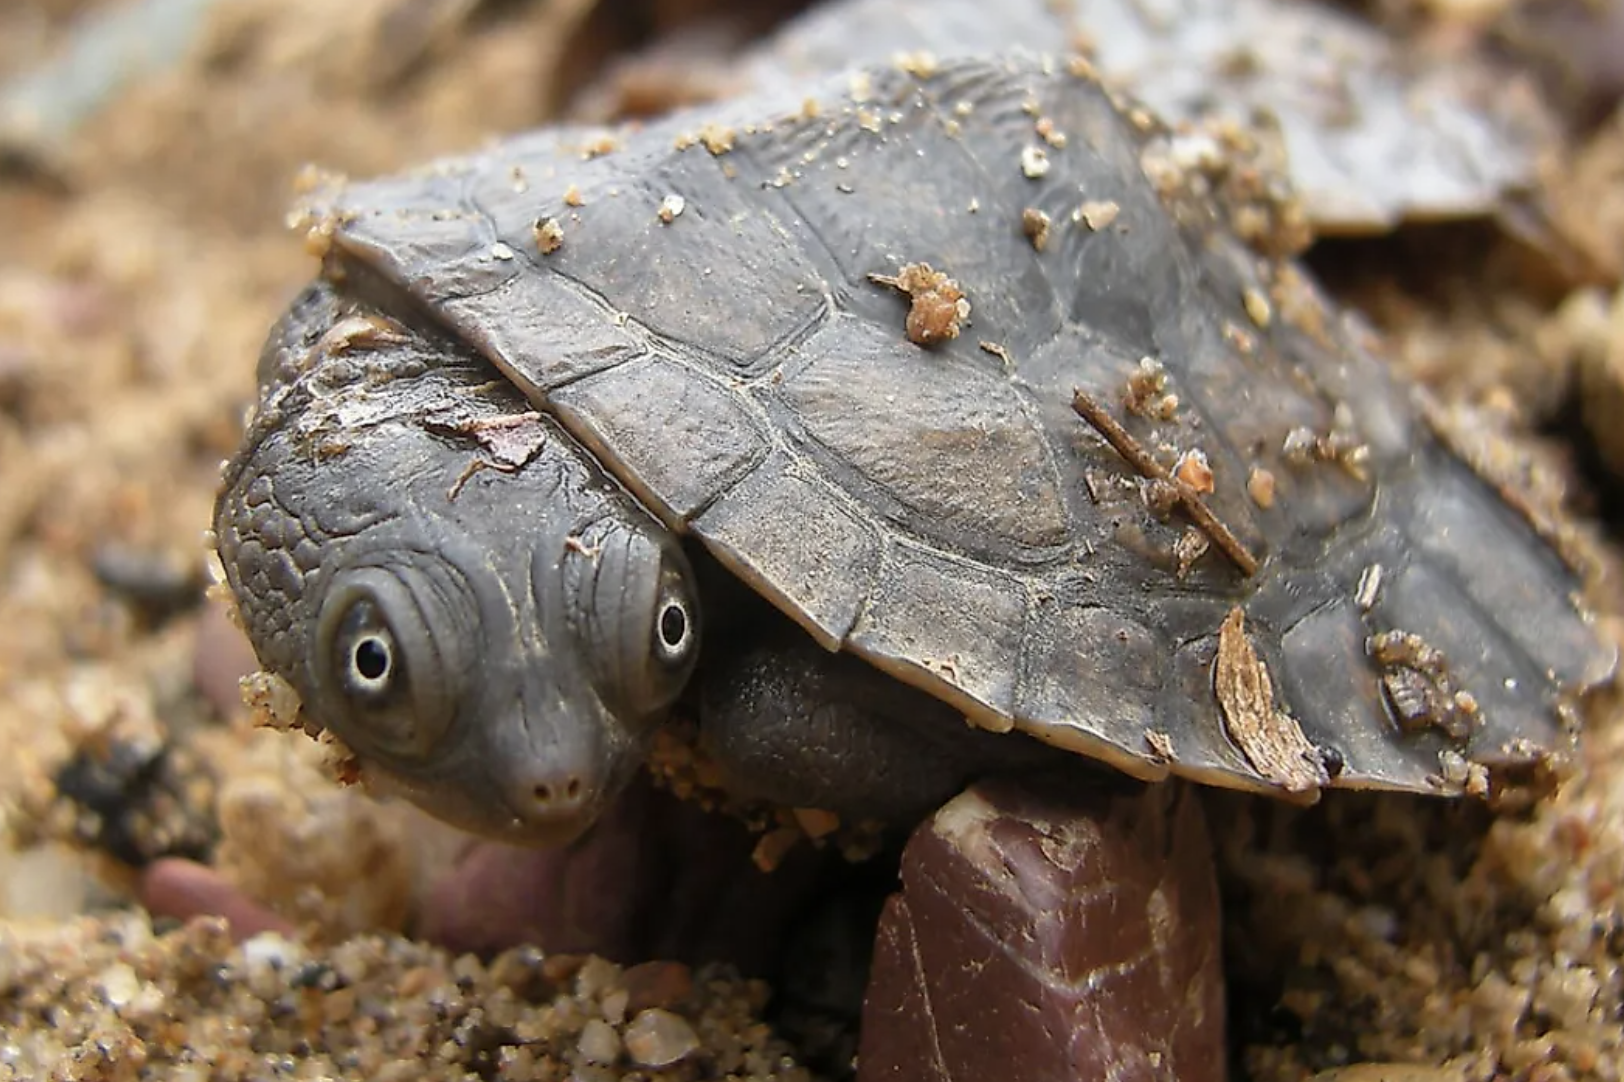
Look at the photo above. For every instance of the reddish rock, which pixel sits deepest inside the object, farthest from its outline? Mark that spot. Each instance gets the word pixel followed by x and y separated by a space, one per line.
pixel 1050 935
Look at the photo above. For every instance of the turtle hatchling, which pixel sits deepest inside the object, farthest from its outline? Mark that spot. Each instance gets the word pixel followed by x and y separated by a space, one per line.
pixel 921 424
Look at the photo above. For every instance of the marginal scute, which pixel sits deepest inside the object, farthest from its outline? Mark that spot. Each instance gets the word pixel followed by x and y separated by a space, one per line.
pixel 1091 681
pixel 1481 659
pixel 950 626
pixel 1467 531
pixel 946 437
pixel 677 438
pixel 817 563
pixel 427 223
pixel 1329 682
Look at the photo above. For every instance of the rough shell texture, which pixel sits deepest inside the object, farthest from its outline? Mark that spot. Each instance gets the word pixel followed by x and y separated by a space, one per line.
pixel 943 512
pixel 1375 131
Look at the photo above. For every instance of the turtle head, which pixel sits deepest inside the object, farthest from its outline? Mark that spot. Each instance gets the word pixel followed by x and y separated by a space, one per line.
pixel 507 688
pixel 498 646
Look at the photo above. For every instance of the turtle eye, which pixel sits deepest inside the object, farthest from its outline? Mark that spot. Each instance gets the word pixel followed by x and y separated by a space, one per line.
pixel 380 667
pixel 673 630
pixel 372 664
pixel 660 647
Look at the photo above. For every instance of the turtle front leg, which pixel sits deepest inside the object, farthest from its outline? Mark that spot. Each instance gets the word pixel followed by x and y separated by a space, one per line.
pixel 791 723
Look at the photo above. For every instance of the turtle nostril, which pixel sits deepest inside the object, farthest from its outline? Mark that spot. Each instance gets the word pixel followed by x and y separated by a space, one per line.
pixel 549 795
pixel 549 806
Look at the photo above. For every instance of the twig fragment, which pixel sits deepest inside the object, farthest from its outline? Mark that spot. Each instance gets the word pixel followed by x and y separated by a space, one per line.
pixel 1122 441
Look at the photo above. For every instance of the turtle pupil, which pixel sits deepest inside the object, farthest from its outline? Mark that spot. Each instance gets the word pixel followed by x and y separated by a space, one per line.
pixel 371 659
pixel 673 626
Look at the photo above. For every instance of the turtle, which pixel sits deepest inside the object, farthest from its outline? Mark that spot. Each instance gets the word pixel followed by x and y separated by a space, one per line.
pixel 924 422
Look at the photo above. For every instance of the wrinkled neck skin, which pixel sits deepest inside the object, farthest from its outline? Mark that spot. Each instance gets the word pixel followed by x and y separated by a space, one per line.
pixel 450 584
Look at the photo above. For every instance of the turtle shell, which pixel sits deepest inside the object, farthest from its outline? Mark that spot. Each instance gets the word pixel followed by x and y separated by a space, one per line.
pixel 1271 576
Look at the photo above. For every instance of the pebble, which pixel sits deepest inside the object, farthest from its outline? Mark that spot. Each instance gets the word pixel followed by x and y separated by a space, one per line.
pixel 657 984
pixel 1004 958
pixel 599 1042
pixel 658 1038
pixel 106 998
pixel 1390 1072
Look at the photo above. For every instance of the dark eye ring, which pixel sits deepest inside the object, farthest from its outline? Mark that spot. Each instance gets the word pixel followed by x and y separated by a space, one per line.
pixel 673 630
pixel 372 663
pixel 370 660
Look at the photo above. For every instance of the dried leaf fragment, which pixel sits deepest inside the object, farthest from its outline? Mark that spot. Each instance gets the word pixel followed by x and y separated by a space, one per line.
pixel 355 333
pixel 939 307
pixel 1270 738
pixel 512 439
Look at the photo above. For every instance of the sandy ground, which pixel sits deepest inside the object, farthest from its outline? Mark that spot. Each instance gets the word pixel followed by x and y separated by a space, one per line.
pixel 139 270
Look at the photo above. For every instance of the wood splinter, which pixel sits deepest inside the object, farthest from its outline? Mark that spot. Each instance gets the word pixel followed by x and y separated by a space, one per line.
pixel 1136 456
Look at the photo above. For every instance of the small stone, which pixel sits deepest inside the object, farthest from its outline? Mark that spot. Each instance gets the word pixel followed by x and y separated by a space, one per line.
pixel 119 984
pixel 599 1042
pixel 774 846
pixel 1260 486
pixel 1035 227
pixel 939 308
pixel 1097 214
pixel 671 208
pixel 1194 470
pixel 597 977
pixel 657 984
pixel 1299 446
pixel 549 235
pixel 1258 308
pixel 1391 1072
pixel 658 1038
pixel 718 139
pixel 1034 162
pixel 816 823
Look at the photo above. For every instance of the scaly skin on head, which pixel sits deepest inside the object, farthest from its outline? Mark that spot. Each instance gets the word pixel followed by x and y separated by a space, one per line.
pixel 495 645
